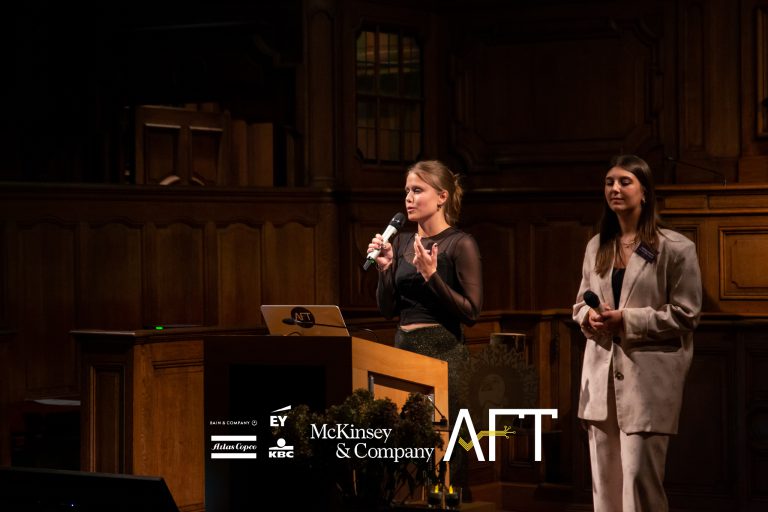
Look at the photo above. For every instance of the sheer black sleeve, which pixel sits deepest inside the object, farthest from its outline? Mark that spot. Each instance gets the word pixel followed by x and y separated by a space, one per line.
pixel 466 302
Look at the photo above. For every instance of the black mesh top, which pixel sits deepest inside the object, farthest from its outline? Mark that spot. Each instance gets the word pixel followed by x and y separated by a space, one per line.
pixel 617 280
pixel 452 296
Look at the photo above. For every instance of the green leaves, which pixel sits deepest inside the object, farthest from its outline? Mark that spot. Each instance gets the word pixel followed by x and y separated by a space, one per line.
pixel 358 475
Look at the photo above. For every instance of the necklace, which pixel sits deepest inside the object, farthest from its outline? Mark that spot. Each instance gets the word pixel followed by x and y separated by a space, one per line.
pixel 629 244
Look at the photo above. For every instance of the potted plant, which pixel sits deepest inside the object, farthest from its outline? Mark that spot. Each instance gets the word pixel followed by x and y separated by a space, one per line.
pixel 364 449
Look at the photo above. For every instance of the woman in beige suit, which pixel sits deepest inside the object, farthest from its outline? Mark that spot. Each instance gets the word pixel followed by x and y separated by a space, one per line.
pixel 639 341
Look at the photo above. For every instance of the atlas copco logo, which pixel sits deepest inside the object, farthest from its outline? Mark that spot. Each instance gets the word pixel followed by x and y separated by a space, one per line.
pixel 280 450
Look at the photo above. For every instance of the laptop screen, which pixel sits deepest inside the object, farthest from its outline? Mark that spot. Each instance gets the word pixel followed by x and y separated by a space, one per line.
pixel 313 320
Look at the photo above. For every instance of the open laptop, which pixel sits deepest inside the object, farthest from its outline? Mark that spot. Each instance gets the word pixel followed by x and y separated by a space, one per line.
pixel 313 320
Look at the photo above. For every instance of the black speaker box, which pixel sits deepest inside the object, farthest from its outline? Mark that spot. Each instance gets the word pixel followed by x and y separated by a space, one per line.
pixel 51 490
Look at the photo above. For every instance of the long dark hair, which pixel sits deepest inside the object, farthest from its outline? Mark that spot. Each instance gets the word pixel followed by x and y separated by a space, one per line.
pixel 647 225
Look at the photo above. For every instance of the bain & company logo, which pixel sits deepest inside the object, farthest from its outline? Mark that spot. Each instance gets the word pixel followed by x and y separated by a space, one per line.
pixel 280 450
pixel 233 445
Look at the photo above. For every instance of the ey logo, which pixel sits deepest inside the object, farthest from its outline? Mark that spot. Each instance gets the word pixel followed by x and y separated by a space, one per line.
pixel 278 420
pixel 492 433
pixel 281 450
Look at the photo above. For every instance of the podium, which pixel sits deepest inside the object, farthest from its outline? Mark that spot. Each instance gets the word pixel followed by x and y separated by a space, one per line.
pixel 149 397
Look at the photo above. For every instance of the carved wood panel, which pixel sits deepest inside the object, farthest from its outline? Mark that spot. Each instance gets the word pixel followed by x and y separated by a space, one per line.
pixel 497 250
pixel 557 252
pixel 107 404
pixel 523 95
pixel 706 420
pixel 175 264
pixel 171 375
pixel 111 276
pixel 290 260
pixel 47 307
pixel 240 261
pixel 182 146
pixel 740 250
pixel 756 384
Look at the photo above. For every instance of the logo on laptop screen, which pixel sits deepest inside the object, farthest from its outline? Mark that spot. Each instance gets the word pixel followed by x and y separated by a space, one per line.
pixel 302 317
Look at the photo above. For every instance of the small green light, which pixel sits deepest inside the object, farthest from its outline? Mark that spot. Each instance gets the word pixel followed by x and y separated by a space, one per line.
pixel 159 327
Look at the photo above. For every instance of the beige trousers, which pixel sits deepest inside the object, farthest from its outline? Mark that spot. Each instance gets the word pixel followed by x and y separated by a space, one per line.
pixel 627 469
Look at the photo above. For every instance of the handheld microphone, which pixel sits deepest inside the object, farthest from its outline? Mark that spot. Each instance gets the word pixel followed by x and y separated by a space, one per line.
pixel 394 225
pixel 593 301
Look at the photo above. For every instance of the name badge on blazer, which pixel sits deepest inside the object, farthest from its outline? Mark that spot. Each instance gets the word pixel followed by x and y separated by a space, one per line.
pixel 647 252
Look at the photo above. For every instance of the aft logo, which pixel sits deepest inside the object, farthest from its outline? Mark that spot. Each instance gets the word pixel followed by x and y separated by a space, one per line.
pixel 492 433
pixel 280 450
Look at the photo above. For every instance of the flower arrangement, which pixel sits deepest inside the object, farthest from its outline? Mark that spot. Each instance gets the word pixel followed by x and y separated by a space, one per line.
pixel 364 482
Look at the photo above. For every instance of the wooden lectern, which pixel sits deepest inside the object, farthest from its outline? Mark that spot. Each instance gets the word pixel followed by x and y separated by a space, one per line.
pixel 148 397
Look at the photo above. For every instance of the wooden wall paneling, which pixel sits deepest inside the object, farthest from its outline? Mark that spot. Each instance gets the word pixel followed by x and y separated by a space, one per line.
pixel 761 71
pixel 753 162
pixel 5 397
pixel 5 273
pixel 239 263
pixel 168 378
pixel 698 231
pixel 211 285
pixel 365 214
pixel 730 228
pixel 48 277
pixel 564 98
pixel 708 75
pixel 691 76
pixel 108 410
pixel 111 275
pixel 208 155
pixel 8 360
pixel 696 477
pixel 496 241
pixel 105 415
pixel 328 252
pixel 756 417
pixel 289 259
pixel 723 31
pixel 6 339
pixel 546 363
pixel 160 157
pixel 253 153
pixel 740 248
pixel 581 472
pixel 12 364
pixel 176 266
pixel 557 253
pixel 567 427
pixel 320 46
pixel 175 145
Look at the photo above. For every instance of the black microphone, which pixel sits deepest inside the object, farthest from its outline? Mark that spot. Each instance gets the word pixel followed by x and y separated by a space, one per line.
pixel 307 325
pixel 593 301
pixel 394 225
pixel 690 164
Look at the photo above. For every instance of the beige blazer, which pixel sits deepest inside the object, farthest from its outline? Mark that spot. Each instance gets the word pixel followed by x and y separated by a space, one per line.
pixel 661 302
